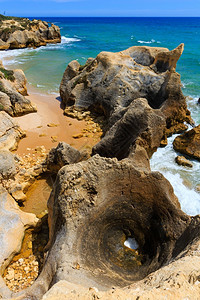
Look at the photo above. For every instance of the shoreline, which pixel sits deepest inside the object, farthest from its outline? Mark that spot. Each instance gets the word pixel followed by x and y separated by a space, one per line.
pixel 49 126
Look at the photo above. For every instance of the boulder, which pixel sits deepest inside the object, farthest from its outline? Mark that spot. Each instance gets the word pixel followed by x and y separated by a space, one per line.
pixel 109 83
pixel 189 143
pixel 182 161
pixel 7 165
pixel 10 132
pixel 12 89
pixel 13 223
pixel 94 208
pixel 60 156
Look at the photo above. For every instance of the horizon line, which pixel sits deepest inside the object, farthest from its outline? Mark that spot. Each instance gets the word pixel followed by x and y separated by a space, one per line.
pixel 109 16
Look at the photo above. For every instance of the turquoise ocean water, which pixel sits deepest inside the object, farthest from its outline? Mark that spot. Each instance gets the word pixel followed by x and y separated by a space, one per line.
pixel 86 37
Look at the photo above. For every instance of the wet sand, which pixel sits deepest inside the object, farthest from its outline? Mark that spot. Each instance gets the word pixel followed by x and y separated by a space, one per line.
pixel 40 134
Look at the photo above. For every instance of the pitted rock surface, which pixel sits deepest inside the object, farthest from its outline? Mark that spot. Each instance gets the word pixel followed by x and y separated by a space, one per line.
pixel 111 82
pixel 94 207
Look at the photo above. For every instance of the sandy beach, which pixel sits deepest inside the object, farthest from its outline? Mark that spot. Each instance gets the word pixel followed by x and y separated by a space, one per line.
pixel 48 125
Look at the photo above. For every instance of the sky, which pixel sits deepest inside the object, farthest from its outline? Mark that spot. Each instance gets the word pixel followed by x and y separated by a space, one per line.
pixel 101 8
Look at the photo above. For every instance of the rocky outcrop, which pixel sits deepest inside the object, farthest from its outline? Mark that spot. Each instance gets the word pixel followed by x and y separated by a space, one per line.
pixel 95 206
pixel 12 92
pixel 60 156
pixel 189 143
pixel 10 132
pixel 13 223
pixel 112 82
pixel 18 33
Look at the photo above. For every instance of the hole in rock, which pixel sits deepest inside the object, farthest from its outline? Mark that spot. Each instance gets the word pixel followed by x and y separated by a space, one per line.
pixel 131 243
pixel 26 266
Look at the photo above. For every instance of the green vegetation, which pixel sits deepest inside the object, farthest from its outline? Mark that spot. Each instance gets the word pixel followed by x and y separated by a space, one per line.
pixel 8 74
pixel 1 107
pixel 24 23
pixel 3 18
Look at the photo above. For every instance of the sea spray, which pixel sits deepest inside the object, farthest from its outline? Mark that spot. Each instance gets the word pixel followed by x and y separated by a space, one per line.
pixel 183 179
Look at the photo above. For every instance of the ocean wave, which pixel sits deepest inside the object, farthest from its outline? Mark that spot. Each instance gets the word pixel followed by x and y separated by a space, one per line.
pixel 182 179
pixel 184 194
pixel 8 56
pixel 40 85
pixel 149 42
pixel 67 40
pixel 185 84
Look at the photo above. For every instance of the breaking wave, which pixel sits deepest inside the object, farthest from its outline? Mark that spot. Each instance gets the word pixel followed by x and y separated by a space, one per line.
pixel 149 42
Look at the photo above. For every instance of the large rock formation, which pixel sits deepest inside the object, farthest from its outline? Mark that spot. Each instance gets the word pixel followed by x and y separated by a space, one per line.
pixel 21 33
pixel 99 206
pixel 12 92
pixel 189 143
pixel 95 206
pixel 139 125
pixel 111 82
pixel 10 132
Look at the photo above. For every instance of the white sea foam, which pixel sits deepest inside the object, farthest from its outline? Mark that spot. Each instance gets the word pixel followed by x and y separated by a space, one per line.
pixel 149 42
pixel 183 180
pixel 67 40
pixel 185 84
pixel 18 56
pixel 40 85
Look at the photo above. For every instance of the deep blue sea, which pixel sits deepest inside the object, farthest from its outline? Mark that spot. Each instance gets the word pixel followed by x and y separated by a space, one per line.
pixel 86 37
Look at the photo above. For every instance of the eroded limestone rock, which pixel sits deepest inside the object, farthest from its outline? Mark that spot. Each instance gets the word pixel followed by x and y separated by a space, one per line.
pixel 7 165
pixel 13 223
pixel 94 207
pixel 112 82
pixel 140 124
pixel 182 161
pixel 189 143
pixel 62 155
pixel 10 132
pixel 12 92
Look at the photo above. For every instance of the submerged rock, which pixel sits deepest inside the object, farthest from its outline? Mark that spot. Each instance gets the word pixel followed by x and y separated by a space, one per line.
pixel 112 82
pixel 21 33
pixel 182 161
pixel 189 143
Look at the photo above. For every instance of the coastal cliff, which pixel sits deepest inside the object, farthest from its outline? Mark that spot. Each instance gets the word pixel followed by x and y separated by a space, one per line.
pixel 18 33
